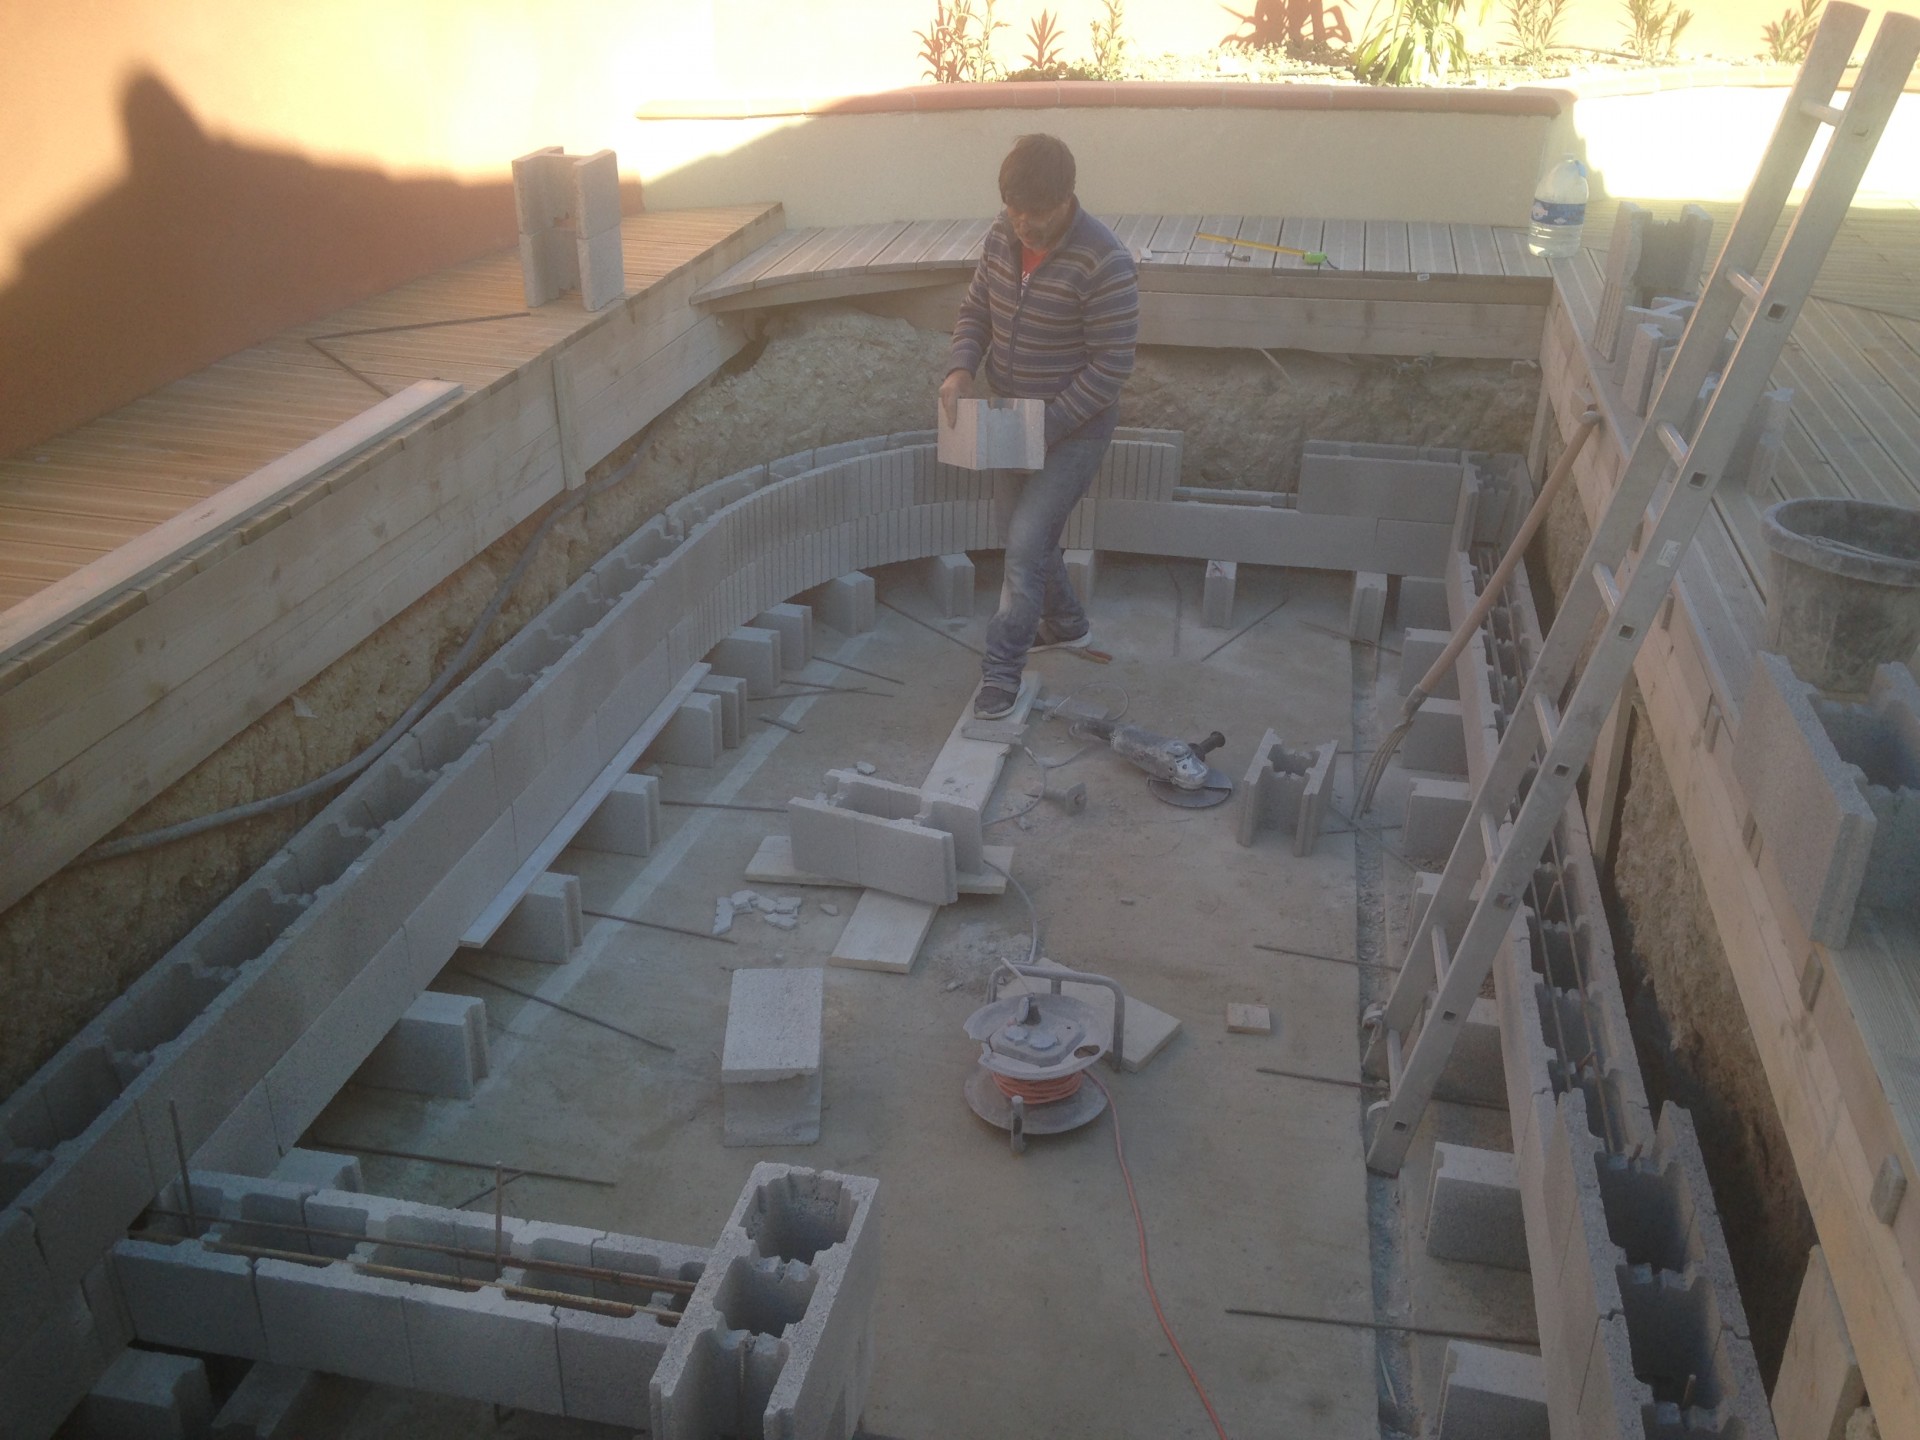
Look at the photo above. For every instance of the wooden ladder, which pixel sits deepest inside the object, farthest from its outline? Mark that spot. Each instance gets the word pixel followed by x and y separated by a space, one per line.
pixel 1629 565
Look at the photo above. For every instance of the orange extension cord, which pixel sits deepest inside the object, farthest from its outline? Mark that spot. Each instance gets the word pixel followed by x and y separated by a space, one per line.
pixel 1146 1273
pixel 1039 1092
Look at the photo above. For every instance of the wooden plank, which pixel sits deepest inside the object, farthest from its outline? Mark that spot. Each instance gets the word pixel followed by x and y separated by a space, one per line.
pixel 1134 231
pixel 1511 246
pixel 1262 230
pixel 912 244
pixel 1475 250
pixel 24 624
pixel 540 859
pixel 741 276
pixel 1301 234
pixel 818 251
pixel 839 287
pixel 1172 239
pixel 772 864
pixel 1819 1385
pixel 1430 249
pixel 1360 327
pixel 1213 253
pixel 1389 247
pixel 962 244
pixel 1345 243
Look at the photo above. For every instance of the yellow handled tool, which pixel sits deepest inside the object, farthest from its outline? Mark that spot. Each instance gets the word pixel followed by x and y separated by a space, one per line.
pixel 1312 257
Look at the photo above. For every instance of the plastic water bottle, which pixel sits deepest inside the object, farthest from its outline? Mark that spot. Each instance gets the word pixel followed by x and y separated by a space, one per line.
pixel 1559 211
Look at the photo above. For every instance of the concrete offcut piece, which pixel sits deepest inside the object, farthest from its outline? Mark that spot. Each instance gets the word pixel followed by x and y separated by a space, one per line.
pixel 1436 809
pixel 1216 595
pixel 1473 1208
pixel 1287 789
pixel 627 821
pixel 731 691
pixel 1248 1019
pixel 695 735
pixel 439 1047
pixel 871 832
pixel 1492 1394
pixel 145 1395
pixel 995 434
pixel 1083 570
pixel 794 625
pixel 770 1067
pixel 546 925
pixel 950 582
pixel 845 602
pixel 753 654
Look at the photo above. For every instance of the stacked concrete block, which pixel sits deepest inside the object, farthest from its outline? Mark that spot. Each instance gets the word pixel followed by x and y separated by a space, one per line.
pixel 1436 809
pixel 770 1066
pixel 695 735
pixel 439 1047
pixel 777 1338
pixel 546 925
pixel 1473 1208
pixel 1216 595
pixel 751 653
pixel 996 434
pixel 886 837
pixel 844 602
pixel 1437 741
pixel 1489 1394
pixel 1368 609
pixel 1082 571
pixel 794 625
pixel 1418 650
pixel 1288 789
pixel 147 1396
pixel 569 212
pixel 627 821
pixel 950 584
pixel 731 691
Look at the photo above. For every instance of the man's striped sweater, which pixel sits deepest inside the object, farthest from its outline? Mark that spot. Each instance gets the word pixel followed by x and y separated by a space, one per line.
pixel 1069 339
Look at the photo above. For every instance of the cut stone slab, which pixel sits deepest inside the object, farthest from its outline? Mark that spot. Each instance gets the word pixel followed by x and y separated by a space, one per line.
pixel 1244 1019
pixel 884 933
pixel 770 1065
pixel 772 864
pixel 1148 1029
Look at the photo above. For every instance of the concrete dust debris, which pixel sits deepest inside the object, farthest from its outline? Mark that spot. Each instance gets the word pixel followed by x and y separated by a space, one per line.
pixel 722 915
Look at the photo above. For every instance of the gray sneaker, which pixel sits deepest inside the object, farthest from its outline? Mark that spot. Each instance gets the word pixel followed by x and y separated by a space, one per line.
pixel 992 703
pixel 1048 636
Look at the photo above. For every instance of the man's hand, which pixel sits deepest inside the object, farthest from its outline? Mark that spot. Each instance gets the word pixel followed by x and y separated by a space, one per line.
pixel 956 387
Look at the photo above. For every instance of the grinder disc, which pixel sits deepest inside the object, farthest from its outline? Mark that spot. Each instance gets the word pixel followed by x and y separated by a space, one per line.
pixel 1216 791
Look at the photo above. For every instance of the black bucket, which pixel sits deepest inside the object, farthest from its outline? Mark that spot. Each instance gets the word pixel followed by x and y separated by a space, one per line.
pixel 1843 595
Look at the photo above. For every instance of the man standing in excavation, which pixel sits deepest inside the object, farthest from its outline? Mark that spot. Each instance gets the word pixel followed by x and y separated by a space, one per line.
pixel 1054 310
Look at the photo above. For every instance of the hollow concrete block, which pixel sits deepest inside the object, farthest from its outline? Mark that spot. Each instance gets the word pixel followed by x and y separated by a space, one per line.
pixel 439 1047
pixel 145 1395
pixel 607 1363
pixel 601 267
pixel 335 1320
pixel 485 1345
pixel 1419 648
pixel 1082 569
pixel 627 822
pixel 1422 603
pixel 1436 809
pixel 950 582
pixel 794 625
pixel 188 1297
pixel 1437 740
pixel 1216 595
pixel 1473 1208
pixel 1368 610
pixel 1289 789
pixel 770 1065
pixel 1492 1394
pixel 753 655
pixel 845 602
pixel 694 736
pixel 547 924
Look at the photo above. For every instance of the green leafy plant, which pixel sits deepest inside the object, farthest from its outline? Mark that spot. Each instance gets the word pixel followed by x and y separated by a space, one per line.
pixel 1416 41
pixel 1109 43
pixel 1789 38
pixel 1535 27
pixel 1654 26
pixel 1044 36
pixel 957 47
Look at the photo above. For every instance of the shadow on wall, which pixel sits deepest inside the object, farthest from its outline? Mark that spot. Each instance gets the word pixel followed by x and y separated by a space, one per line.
pixel 206 247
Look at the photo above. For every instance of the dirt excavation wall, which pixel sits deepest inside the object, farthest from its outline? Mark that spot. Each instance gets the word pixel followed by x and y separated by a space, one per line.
pixel 825 374
pixel 1690 1031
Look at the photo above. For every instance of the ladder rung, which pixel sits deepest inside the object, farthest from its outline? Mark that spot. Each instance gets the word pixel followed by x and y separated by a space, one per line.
pixel 1825 114
pixel 1673 442
pixel 1745 284
pixel 1548 714
pixel 1442 960
pixel 1609 590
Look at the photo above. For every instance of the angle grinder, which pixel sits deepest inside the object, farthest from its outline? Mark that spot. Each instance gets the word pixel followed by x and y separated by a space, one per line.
pixel 1177 770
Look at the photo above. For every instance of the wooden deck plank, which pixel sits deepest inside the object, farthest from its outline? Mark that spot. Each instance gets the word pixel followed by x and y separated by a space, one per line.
pixel 820 248
pixel 1172 239
pixel 1430 248
pixel 1511 246
pixel 1345 243
pixel 1261 230
pixel 742 276
pixel 961 245
pixel 1477 252
pixel 912 244
pixel 1857 382
pixel 1212 254
pixel 1301 233
pixel 1389 247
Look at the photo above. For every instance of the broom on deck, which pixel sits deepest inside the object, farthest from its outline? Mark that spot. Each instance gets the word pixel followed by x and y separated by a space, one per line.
pixel 1489 597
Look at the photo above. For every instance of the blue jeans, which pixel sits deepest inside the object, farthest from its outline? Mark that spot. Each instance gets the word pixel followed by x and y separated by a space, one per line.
pixel 1036 586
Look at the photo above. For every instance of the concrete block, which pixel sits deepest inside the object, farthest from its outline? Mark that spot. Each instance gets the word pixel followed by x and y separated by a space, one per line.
pixel 263 1403
pixel 627 822
pixel 1645 346
pixel 1288 789
pixel 1400 482
pixel 1490 1394
pixel 1436 809
pixel 1473 1208
pixel 1619 287
pixel 1368 609
pixel 1438 739
pixel 845 602
pixel 335 1320
pixel 439 1047
pixel 601 267
pixel 1422 604
pixel 753 655
pixel 694 736
pixel 25 1285
pixel 1216 596
pixel 547 924
pixel 485 1345
pixel 595 192
pixel 145 1395
pixel 542 190
pixel 995 434
pixel 1245 1019
pixel 881 852
pixel 1804 798
pixel 1473 1073
pixel 794 625
pixel 770 1068
pixel 1419 648
pixel 319 1170
pixel 187 1297
pixel 1412 547
pixel 607 1363
pixel 1756 453
pixel 950 583
pixel 1082 567
pixel 731 691
pixel 549 266
pixel 1819 1384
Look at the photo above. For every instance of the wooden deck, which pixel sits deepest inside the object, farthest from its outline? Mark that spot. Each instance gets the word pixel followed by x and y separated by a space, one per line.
pixel 70 500
pixel 1841 1059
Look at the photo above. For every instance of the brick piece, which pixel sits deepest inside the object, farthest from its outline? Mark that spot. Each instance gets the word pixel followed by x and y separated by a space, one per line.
pixel 770 1067
pixel 547 924
pixel 627 822
pixel 794 625
pixel 845 602
pixel 753 655
pixel 1368 610
pixel 694 736
pixel 1216 599
pixel 1244 1019
pixel 950 582
pixel 145 1395
pixel 439 1047
pixel 1473 1208
pixel 1436 809
pixel 1492 1394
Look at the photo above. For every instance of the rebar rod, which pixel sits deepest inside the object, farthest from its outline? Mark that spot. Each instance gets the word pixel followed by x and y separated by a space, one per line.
pixel 425 1159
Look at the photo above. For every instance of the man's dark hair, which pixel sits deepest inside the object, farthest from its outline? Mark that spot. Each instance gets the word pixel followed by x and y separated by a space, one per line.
pixel 1037 174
